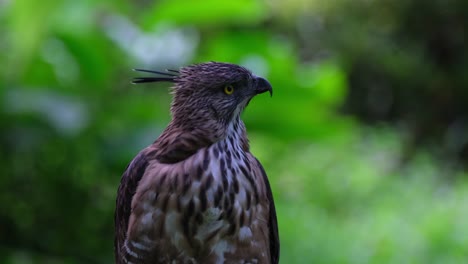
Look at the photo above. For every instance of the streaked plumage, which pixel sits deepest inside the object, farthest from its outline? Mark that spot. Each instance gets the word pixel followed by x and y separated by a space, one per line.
pixel 197 194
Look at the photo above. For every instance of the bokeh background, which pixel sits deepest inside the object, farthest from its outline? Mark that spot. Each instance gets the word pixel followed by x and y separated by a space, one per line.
pixel 365 139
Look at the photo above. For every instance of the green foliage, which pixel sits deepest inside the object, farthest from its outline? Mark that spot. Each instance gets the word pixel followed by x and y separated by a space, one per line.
pixel 338 207
pixel 346 192
pixel 203 13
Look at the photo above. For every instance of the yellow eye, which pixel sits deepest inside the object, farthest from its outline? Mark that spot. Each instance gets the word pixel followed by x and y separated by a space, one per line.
pixel 228 89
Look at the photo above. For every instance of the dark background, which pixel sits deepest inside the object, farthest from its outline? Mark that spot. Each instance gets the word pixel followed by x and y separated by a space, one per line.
pixel 365 140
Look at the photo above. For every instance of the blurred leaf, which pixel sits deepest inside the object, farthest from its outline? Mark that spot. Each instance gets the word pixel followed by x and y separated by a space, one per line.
pixel 327 82
pixel 29 23
pixel 208 12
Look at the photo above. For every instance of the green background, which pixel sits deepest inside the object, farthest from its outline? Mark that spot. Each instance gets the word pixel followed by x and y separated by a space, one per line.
pixel 365 140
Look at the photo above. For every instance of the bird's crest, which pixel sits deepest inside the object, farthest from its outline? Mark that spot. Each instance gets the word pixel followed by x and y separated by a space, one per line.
pixel 169 76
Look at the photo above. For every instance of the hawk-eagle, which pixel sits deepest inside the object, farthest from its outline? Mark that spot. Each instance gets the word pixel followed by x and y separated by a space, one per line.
pixel 197 194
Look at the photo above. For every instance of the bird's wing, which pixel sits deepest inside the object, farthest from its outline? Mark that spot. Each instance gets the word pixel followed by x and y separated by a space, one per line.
pixel 147 197
pixel 127 189
pixel 272 222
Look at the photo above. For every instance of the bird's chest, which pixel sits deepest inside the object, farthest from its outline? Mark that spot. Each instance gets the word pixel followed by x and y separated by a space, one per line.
pixel 222 197
pixel 210 205
pixel 221 210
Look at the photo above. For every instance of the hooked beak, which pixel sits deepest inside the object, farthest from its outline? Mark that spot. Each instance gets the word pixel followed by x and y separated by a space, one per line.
pixel 262 85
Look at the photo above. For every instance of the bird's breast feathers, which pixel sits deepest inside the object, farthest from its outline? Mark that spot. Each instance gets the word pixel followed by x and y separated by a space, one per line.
pixel 211 207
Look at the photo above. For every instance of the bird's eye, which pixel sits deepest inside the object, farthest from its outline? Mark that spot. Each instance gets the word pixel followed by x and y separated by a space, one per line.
pixel 228 89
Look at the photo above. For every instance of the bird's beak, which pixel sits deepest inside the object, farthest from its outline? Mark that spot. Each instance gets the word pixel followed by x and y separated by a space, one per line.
pixel 262 85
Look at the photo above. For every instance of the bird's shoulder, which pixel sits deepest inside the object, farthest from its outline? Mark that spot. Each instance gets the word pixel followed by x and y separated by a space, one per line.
pixel 127 188
pixel 161 206
pixel 145 189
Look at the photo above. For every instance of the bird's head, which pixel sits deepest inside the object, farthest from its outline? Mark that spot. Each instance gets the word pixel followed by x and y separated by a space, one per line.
pixel 210 96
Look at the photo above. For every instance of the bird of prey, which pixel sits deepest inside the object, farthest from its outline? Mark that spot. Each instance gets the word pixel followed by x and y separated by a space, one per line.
pixel 197 194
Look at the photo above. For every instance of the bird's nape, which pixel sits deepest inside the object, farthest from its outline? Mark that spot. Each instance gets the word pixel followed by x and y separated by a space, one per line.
pixel 171 75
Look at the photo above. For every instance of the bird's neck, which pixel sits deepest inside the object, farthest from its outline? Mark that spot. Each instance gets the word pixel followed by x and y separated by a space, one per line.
pixel 236 135
pixel 178 142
